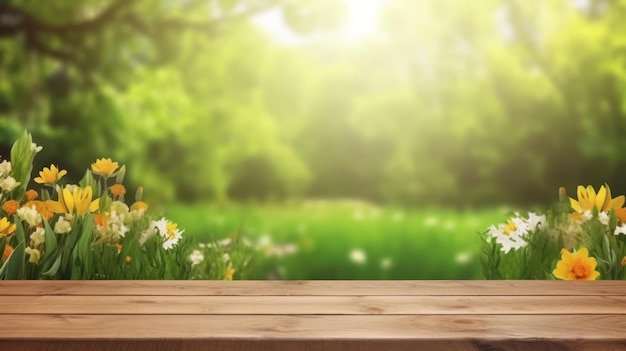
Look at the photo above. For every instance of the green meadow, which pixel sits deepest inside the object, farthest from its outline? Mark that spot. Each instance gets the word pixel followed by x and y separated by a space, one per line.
pixel 345 239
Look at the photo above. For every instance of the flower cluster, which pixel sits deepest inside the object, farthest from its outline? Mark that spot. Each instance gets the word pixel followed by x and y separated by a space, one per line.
pixel 81 231
pixel 582 238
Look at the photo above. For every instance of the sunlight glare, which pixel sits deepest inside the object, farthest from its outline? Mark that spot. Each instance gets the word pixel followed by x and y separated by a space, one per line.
pixel 360 22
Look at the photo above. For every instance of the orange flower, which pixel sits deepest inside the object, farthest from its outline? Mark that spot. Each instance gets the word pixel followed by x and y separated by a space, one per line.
pixel 8 250
pixel 31 195
pixel 621 214
pixel 118 246
pixel 104 167
pixel 11 207
pixel 624 261
pixel 128 259
pixel 117 190
pixel 99 219
pixel 45 209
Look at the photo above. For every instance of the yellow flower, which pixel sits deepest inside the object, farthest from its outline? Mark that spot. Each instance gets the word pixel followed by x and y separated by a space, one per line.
pixel 78 202
pixel 139 205
pixel 104 167
pixel 587 199
pixel 6 227
pixel 117 190
pixel 228 275
pixel 509 227
pixel 11 207
pixel 576 266
pixel 50 175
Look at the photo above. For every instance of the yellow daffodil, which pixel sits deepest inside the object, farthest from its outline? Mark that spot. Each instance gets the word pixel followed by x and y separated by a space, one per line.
pixel 76 202
pixel 587 199
pixel 6 227
pixel 139 206
pixel 50 175
pixel 230 272
pixel 104 167
pixel 576 266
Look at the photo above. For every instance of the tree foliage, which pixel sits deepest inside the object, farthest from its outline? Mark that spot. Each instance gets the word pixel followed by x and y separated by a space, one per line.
pixel 497 101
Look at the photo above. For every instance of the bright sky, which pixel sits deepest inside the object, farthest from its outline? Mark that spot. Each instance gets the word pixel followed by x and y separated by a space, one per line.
pixel 360 22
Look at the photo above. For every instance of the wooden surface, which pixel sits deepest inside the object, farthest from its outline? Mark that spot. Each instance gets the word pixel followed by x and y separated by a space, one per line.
pixel 312 315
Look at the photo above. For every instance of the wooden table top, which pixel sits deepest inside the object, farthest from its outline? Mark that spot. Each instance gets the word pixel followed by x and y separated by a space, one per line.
pixel 312 315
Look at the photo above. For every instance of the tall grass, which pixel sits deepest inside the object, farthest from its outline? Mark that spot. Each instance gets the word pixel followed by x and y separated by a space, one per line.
pixel 345 239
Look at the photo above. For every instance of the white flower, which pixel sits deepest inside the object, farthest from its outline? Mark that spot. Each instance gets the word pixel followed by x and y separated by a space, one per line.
pixel 511 234
pixel 120 208
pixel 168 231
pixel 603 217
pixel 620 229
pixel 5 168
pixel 30 215
pixel 70 187
pixel 535 221
pixel 146 234
pixel 34 147
pixel 38 236
pixel 358 256
pixel 34 255
pixel 160 225
pixel 62 226
pixel 580 218
pixel 196 257
pixel 9 183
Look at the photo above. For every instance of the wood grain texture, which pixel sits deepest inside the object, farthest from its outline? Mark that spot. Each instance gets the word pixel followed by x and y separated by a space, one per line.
pixel 313 305
pixel 312 315
pixel 315 288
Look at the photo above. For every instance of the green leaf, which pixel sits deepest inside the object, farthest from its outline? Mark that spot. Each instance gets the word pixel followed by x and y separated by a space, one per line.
pixel 82 258
pixel 16 262
pixel 50 238
pixel 54 268
pixel 22 157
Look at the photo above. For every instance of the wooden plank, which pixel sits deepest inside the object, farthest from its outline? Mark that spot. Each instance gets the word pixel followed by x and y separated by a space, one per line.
pixel 295 327
pixel 314 288
pixel 313 305
pixel 311 345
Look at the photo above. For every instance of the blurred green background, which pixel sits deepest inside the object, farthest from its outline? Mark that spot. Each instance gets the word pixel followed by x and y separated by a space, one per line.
pixel 365 139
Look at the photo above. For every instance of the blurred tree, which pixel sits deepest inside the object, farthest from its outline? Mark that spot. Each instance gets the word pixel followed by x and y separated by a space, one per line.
pixel 450 103
pixel 164 85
